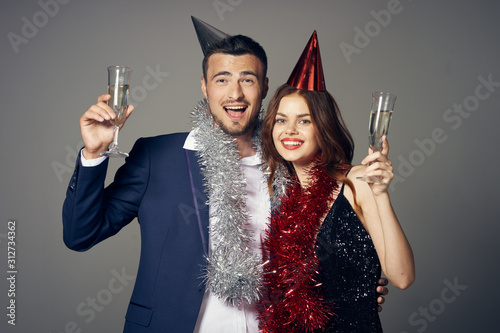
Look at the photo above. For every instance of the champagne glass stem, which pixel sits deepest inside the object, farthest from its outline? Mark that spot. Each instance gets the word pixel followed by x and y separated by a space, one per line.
pixel 116 130
pixel 113 150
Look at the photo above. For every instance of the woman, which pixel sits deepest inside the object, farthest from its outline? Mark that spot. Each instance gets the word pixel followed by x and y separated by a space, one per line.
pixel 327 242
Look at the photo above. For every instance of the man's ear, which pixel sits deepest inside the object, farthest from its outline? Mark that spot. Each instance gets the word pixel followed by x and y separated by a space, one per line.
pixel 204 87
pixel 266 88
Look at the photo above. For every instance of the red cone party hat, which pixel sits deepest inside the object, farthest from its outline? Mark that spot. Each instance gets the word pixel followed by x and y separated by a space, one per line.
pixel 308 72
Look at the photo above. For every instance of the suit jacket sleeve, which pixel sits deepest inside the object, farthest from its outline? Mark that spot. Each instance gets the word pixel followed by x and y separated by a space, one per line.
pixel 92 213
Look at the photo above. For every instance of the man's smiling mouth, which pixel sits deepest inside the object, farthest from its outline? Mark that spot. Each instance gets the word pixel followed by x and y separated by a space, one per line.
pixel 235 112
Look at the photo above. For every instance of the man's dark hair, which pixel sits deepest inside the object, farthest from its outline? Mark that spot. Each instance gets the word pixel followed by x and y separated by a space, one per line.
pixel 236 45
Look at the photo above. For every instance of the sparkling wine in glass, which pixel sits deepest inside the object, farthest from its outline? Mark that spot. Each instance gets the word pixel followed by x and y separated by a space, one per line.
pixel 380 118
pixel 118 88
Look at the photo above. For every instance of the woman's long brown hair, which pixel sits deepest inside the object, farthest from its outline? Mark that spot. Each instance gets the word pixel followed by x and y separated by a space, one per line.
pixel 334 139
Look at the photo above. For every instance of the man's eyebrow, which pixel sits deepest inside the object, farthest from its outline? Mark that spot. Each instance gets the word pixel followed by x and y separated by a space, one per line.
pixel 242 73
pixel 249 73
pixel 223 73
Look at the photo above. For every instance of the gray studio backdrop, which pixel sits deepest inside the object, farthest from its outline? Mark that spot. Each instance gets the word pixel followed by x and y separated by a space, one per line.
pixel 442 59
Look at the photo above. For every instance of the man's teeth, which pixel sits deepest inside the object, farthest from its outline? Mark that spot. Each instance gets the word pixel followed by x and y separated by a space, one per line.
pixel 292 143
pixel 236 108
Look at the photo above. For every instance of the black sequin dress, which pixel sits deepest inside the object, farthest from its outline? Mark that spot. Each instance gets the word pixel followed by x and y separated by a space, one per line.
pixel 349 270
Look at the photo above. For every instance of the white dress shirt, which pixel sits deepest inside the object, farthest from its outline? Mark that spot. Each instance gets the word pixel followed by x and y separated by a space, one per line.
pixel 215 315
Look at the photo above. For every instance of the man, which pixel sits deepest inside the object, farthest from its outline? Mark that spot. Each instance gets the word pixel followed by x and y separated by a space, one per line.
pixel 162 185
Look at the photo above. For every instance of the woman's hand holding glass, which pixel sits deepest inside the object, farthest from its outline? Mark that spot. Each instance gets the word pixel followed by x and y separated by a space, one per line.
pixel 378 126
pixel 380 166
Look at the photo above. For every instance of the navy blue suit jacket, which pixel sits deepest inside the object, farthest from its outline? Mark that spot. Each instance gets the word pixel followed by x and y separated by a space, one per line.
pixel 161 185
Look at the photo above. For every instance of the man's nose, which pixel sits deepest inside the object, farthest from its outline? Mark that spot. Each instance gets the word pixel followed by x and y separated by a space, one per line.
pixel 234 91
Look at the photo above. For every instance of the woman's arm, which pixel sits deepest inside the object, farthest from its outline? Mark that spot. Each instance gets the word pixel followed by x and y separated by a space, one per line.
pixel 380 220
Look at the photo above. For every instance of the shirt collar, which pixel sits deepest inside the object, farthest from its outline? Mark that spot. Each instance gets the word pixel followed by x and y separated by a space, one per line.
pixel 191 144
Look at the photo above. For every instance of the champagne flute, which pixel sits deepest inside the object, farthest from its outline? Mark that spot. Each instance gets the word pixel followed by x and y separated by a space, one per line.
pixel 380 118
pixel 118 88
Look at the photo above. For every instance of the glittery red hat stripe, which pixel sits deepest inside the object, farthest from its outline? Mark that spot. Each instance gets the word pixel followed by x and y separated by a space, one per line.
pixel 308 72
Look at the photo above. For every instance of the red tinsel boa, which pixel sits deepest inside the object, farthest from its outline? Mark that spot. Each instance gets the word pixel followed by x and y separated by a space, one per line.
pixel 293 302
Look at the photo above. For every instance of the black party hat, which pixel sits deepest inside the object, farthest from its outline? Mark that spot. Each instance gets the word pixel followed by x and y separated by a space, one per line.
pixel 207 35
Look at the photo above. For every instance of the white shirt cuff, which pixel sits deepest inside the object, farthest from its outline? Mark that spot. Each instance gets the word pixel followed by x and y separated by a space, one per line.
pixel 92 162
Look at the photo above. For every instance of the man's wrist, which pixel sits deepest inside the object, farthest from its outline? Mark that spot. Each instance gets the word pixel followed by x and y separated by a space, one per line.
pixel 89 160
pixel 91 154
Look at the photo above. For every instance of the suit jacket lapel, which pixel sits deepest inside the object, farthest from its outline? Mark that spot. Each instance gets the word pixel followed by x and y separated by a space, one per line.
pixel 200 198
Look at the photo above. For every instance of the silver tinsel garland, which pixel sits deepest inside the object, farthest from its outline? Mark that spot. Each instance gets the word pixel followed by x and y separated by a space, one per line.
pixel 233 272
